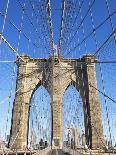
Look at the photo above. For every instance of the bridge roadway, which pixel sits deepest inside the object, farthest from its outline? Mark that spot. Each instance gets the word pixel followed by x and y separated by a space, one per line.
pixel 41 152
pixel 57 152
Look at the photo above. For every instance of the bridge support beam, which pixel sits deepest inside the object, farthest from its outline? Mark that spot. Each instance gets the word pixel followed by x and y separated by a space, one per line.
pixel 92 110
pixel 56 107
pixel 19 128
pixel 25 86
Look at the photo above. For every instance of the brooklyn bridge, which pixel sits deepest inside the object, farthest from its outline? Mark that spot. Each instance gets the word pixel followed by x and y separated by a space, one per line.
pixel 57 77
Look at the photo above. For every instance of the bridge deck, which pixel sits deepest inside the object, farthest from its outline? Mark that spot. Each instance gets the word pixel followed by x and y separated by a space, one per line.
pixel 58 152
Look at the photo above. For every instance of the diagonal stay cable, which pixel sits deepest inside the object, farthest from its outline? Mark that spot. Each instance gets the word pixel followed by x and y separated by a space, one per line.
pixel 73 23
pixel 4 22
pixel 33 25
pixel 71 29
pixel 11 47
pixel 104 94
pixel 68 43
pixel 18 29
pixel 107 39
pixel 96 28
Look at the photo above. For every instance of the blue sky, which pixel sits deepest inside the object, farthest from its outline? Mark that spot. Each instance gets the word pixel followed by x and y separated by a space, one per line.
pixel 41 39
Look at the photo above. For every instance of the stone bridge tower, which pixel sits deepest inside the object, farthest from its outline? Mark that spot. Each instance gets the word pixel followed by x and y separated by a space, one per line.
pixel 56 75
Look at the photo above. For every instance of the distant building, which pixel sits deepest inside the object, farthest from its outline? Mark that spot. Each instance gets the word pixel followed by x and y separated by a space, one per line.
pixel 83 140
pixel 73 137
pixel 8 137
pixel 110 144
pixel 33 139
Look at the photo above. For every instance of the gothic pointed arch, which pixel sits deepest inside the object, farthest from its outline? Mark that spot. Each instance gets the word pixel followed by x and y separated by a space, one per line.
pixel 40 109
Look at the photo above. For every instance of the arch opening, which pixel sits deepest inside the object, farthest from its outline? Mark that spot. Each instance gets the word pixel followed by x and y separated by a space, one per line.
pixel 39 122
pixel 73 118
